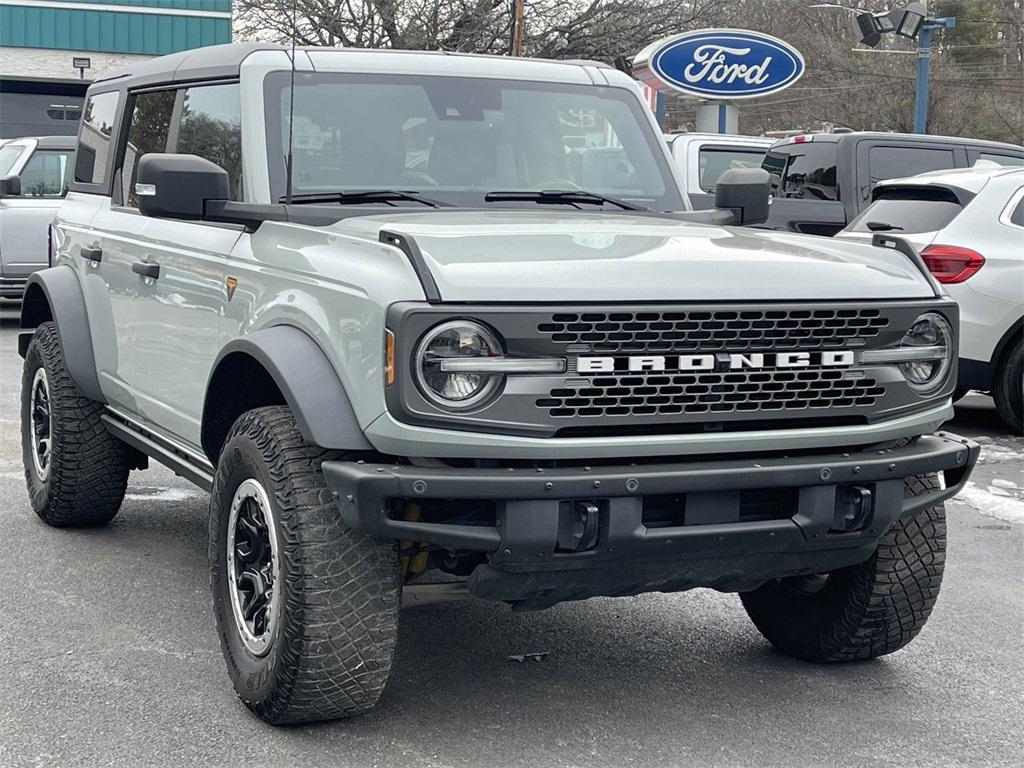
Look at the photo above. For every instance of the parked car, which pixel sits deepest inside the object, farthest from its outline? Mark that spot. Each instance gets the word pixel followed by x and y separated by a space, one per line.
pixel 702 158
pixel 968 227
pixel 33 178
pixel 822 181
pixel 435 345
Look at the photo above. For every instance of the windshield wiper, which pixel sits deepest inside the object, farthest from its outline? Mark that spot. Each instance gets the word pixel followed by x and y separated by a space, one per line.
pixel 556 196
pixel 881 226
pixel 357 196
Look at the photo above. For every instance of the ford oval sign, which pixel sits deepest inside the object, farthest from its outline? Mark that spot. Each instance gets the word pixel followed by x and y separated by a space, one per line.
pixel 721 64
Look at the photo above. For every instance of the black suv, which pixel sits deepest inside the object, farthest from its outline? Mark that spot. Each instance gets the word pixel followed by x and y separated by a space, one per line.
pixel 820 182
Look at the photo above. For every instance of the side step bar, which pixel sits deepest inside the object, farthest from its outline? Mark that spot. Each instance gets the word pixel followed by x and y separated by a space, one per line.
pixel 181 461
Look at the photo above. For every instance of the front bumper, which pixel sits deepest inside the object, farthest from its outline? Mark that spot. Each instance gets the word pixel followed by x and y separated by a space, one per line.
pixel 709 543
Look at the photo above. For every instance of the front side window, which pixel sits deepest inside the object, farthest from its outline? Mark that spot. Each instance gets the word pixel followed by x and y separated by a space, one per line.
pixel 458 139
pixel 45 174
pixel 94 138
pixel 150 124
pixel 901 162
pixel 714 161
pixel 804 170
pixel 211 127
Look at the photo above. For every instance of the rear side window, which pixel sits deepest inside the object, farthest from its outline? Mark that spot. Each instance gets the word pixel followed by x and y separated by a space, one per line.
pixel 806 170
pixel 1001 159
pixel 1017 217
pixel 908 212
pixel 211 127
pixel 900 162
pixel 93 153
pixel 714 161
pixel 45 174
pixel 150 124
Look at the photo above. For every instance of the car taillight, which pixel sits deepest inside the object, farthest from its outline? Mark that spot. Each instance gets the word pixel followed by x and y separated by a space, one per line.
pixel 951 263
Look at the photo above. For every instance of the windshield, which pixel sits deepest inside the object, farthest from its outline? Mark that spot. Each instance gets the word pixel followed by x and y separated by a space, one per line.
pixel 9 155
pixel 458 139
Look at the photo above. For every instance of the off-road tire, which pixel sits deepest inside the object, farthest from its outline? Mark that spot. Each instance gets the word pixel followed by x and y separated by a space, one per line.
pixel 331 650
pixel 88 467
pixel 867 610
pixel 1008 388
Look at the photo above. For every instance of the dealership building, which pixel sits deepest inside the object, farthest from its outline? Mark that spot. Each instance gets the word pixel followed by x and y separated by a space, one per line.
pixel 50 49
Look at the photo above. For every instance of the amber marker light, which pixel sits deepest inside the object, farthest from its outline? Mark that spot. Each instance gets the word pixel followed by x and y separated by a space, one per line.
pixel 389 357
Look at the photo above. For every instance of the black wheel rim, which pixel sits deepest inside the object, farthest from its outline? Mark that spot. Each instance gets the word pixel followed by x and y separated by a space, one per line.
pixel 41 420
pixel 253 566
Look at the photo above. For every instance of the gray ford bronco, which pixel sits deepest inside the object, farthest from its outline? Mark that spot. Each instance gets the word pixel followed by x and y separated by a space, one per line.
pixel 427 325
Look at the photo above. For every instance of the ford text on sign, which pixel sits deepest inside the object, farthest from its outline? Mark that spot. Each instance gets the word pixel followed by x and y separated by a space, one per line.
pixel 721 64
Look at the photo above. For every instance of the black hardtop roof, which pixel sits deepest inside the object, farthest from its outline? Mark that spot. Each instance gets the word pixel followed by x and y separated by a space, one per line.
pixel 855 136
pixel 224 61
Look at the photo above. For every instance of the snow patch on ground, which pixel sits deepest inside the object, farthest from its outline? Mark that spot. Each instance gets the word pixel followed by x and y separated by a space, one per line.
pixel 997 500
pixel 162 494
pixel 993 451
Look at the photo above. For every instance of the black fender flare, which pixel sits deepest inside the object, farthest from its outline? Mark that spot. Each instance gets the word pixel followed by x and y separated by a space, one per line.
pixel 55 294
pixel 308 382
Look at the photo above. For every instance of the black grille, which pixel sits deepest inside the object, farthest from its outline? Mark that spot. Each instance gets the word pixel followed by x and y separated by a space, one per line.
pixel 709 331
pixel 711 393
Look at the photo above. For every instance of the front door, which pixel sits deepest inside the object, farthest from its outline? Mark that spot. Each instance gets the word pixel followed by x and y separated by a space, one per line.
pixel 175 291
pixel 24 220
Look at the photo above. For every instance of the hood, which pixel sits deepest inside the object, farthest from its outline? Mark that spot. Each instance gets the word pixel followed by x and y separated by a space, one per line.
pixel 555 256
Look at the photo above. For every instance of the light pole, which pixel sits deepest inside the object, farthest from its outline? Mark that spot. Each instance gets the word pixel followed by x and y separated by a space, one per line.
pixel 924 40
pixel 911 22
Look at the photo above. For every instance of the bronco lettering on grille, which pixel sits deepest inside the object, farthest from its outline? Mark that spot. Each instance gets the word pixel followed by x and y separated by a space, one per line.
pixel 721 361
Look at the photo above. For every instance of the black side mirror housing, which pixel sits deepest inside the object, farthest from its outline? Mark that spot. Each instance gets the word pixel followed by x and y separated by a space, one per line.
pixel 745 192
pixel 10 186
pixel 172 186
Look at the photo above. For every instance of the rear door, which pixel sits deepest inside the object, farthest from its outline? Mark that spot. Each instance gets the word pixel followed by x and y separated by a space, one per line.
pixel 882 159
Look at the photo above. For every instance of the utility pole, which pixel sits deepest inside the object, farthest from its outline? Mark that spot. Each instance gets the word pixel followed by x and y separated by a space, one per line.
pixel 517 27
pixel 924 41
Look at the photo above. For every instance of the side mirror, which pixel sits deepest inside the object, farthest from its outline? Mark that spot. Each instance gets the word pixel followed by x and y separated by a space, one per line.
pixel 745 192
pixel 178 186
pixel 10 186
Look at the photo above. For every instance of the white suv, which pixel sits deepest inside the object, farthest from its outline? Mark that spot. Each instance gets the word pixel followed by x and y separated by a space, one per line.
pixel 968 226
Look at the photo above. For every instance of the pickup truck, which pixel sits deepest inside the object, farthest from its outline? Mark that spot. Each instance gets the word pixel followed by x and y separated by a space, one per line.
pixel 822 181
pixel 702 158
pixel 417 339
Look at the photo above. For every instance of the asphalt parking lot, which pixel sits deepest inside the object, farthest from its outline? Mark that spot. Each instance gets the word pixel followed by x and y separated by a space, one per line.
pixel 108 656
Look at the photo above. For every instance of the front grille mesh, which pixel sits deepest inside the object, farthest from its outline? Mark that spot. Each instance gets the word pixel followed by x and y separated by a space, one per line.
pixel 710 331
pixel 711 393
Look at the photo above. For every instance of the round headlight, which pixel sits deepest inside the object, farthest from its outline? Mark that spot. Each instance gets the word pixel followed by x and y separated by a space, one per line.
pixel 929 344
pixel 456 340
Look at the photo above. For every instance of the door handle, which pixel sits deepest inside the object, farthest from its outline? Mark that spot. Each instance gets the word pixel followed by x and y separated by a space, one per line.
pixel 146 269
pixel 95 255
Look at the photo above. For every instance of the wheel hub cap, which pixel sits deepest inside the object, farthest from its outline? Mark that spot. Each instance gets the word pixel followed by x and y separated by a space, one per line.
pixel 253 567
pixel 41 417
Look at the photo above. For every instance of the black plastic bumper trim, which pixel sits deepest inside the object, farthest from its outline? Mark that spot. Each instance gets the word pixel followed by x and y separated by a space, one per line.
pixel 363 490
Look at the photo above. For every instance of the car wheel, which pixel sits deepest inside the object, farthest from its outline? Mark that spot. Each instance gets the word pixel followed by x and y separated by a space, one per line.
pixel 75 470
pixel 867 610
pixel 306 608
pixel 1008 389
